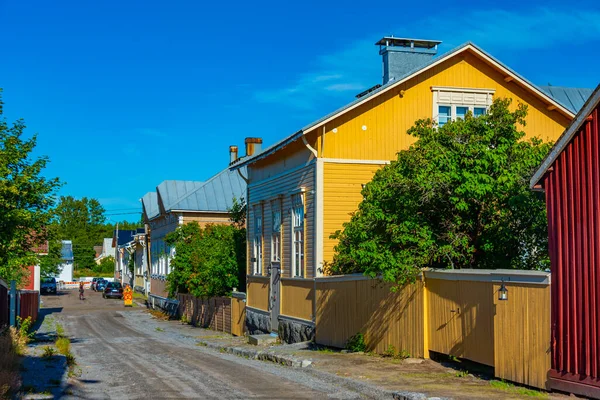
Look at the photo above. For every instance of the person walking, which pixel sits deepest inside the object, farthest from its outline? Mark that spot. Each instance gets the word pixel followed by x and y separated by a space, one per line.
pixel 81 291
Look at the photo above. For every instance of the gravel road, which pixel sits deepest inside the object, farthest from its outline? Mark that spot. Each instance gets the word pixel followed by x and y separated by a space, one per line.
pixel 123 354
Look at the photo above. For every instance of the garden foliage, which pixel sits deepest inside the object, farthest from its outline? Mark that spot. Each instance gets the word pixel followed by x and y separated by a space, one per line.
pixel 457 198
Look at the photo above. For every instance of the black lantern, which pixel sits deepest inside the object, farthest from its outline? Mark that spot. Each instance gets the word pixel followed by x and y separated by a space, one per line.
pixel 503 292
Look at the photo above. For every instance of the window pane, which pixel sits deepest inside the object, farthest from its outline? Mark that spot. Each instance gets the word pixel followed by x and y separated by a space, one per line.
pixel 461 112
pixel 477 111
pixel 444 114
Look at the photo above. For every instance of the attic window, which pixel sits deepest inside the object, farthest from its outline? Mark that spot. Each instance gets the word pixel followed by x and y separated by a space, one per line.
pixel 450 103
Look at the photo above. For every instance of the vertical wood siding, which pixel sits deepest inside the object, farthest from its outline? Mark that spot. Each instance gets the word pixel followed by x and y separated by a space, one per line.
pixel 369 307
pixel 258 292
pixel 522 334
pixel 388 116
pixel 461 319
pixel 238 316
pixel 284 185
pixel 213 313
pixel 342 185
pixel 297 298
pixel 573 198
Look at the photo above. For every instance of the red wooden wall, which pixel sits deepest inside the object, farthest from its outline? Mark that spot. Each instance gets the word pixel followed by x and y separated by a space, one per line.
pixel 572 188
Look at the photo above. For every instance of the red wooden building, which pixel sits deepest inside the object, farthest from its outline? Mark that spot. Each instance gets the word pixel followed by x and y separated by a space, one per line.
pixel 570 178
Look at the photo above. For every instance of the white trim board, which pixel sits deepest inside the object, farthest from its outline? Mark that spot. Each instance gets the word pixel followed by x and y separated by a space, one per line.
pixel 354 161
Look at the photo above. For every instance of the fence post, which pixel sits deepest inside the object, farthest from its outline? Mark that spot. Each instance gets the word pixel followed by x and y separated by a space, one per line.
pixel 13 303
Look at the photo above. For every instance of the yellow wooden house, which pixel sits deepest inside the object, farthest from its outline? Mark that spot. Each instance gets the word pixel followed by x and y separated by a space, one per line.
pixel 303 188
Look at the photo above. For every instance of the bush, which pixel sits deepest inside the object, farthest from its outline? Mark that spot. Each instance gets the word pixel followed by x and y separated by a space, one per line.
pixel 357 343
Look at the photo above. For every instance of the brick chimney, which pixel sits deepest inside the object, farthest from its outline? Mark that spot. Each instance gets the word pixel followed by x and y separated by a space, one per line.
pixel 233 154
pixel 400 55
pixel 253 146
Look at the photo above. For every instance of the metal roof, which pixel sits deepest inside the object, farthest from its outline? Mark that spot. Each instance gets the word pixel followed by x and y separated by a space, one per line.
pixel 126 235
pixel 171 192
pixel 572 98
pixel 592 102
pixel 216 194
pixel 284 142
pixel 150 205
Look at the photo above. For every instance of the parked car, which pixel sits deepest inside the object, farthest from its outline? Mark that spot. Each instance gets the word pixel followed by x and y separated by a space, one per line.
pixel 113 289
pixel 101 285
pixel 48 285
pixel 94 282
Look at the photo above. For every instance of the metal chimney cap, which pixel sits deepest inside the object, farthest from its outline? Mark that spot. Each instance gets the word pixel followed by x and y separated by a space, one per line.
pixel 407 42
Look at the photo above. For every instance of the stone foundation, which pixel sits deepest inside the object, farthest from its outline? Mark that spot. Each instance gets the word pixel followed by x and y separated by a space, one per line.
pixel 293 331
pixel 257 322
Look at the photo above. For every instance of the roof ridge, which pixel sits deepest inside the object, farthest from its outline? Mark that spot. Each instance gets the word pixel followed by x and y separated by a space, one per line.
pixel 209 180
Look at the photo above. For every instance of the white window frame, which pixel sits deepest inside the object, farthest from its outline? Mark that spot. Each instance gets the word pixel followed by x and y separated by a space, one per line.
pixel 454 97
pixel 257 242
pixel 276 223
pixel 298 234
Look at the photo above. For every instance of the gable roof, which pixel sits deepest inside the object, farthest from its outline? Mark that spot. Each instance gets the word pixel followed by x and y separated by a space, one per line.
pixel 469 46
pixel 150 205
pixel 562 142
pixel 171 191
pixel 216 194
pixel 572 98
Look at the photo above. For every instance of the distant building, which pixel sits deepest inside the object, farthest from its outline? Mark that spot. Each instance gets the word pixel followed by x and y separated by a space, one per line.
pixel 33 279
pixel 108 250
pixel 66 267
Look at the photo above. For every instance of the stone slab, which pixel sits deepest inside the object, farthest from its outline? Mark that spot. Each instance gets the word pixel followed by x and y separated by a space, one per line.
pixel 262 339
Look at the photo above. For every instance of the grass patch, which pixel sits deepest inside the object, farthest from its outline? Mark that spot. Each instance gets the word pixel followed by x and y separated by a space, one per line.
pixel 523 391
pixel 63 345
pixel 159 329
pixel 325 350
pixel 202 344
pixel 138 295
pixel 9 364
pixel 159 315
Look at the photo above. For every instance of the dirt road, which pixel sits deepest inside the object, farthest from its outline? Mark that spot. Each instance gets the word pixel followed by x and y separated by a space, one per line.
pixel 121 357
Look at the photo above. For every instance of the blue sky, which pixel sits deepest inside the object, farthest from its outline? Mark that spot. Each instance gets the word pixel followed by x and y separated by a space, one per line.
pixel 126 94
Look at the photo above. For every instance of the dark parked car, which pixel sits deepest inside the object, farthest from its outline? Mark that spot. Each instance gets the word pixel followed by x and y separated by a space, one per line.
pixel 113 289
pixel 94 282
pixel 101 285
pixel 48 285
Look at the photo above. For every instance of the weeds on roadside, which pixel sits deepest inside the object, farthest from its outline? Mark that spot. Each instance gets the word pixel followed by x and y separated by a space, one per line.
pixel 509 387
pixel 9 363
pixel 356 343
pixel 63 345
pixel 184 319
pixel 462 374
pixel 159 329
pixel 49 352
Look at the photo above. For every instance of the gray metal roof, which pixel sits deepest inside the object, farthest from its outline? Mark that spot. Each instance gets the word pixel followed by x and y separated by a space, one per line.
pixel 284 142
pixel 216 194
pixel 591 103
pixel 150 205
pixel 171 191
pixel 572 98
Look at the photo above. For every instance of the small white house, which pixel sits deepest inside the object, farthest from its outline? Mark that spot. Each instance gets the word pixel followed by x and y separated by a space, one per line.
pixel 66 267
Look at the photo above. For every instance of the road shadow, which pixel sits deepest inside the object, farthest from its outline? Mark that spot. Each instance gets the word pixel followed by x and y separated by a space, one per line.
pixel 44 374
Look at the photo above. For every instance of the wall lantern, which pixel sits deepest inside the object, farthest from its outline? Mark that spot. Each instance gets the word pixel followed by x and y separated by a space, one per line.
pixel 503 292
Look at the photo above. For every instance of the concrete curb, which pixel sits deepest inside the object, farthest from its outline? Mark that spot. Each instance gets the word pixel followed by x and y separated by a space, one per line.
pixel 270 356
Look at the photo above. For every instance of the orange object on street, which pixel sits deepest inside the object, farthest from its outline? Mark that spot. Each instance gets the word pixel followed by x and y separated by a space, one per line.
pixel 128 296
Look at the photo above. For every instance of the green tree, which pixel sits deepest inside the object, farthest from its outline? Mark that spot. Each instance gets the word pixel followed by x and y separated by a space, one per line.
pixel 457 198
pixel 106 266
pixel 206 261
pixel 25 199
pixel 50 263
pixel 82 221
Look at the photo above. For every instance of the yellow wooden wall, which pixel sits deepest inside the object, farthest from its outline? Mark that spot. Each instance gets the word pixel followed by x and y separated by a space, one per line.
pixel 388 116
pixel 238 316
pixel 522 329
pixel 297 298
pixel 342 185
pixel 368 306
pixel 257 292
pixel 461 319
